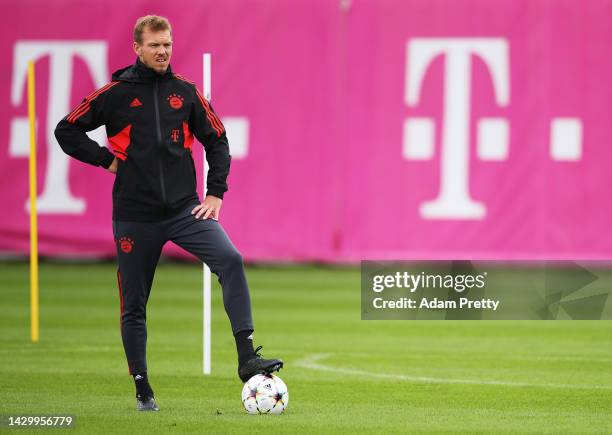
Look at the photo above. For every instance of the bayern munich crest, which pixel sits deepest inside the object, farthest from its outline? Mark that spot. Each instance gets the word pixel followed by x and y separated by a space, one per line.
pixel 175 101
pixel 126 244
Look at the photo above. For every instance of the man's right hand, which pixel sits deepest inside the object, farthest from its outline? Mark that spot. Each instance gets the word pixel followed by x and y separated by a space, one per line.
pixel 113 166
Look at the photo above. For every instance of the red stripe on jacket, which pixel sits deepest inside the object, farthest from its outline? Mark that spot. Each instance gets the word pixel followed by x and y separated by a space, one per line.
pixel 188 135
pixel 120 142
pixel 84 107
pixel 212 116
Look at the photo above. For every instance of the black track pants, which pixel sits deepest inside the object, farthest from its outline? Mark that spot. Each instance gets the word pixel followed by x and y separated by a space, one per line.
pixel 139 246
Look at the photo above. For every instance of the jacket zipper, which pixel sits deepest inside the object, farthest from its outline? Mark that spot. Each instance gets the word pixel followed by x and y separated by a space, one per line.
pixel 159 143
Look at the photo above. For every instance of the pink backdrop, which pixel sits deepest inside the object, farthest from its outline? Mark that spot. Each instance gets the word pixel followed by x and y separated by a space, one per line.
pixel 329 171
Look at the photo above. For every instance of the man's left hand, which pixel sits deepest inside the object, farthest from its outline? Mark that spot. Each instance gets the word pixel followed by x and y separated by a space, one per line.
pixel 210 208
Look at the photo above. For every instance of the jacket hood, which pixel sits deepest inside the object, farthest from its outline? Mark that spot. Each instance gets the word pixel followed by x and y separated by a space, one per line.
pixel 139 73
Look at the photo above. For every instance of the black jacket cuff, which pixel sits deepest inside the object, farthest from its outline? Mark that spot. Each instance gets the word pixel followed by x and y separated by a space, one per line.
pixel 107 160
pixel 215 192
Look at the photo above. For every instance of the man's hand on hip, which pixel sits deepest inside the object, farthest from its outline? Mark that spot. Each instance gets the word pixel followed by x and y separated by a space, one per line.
pixel 208 209
pixel 113 167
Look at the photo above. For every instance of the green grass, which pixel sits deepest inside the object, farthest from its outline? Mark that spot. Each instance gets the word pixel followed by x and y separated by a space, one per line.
pixel 344 375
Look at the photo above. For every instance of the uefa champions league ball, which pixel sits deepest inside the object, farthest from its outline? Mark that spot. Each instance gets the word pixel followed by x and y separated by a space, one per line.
pixel 265 394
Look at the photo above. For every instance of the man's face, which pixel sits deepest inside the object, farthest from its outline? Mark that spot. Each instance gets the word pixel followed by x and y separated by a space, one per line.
pixel 155 50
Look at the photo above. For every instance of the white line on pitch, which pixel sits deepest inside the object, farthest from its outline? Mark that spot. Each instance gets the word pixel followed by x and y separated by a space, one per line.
pixel 313 363
pixel 518 357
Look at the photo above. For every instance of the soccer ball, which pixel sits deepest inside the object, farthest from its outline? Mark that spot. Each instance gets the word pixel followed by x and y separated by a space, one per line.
pixel 265 394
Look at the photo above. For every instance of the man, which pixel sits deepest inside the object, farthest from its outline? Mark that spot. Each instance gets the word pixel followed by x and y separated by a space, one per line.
pixel 151 116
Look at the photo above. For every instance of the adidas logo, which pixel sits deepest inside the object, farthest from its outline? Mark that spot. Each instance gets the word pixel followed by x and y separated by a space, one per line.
pixel 135 103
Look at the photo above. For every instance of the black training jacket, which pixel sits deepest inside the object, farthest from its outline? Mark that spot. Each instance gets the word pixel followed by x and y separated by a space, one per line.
pixel 151 120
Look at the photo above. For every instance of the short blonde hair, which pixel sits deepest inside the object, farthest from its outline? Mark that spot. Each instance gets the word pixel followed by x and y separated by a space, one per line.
pixel 155 23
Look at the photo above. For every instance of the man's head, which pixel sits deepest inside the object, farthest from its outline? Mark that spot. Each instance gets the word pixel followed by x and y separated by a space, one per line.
pixel 153 42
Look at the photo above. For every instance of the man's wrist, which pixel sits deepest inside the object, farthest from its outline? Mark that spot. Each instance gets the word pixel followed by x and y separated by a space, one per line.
pixel 214 193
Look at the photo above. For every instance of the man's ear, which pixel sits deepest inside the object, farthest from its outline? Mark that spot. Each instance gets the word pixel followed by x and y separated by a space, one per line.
pixel 136 48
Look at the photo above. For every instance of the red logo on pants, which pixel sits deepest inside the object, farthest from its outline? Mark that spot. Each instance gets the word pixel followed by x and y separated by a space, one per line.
pixel 126 244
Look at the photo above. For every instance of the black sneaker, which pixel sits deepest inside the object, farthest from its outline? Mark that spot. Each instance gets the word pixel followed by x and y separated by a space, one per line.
pixel 258 366
pixel 146 403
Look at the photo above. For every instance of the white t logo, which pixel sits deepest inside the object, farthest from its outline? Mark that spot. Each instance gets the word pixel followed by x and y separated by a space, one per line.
pixel 454 201
pixel 56 196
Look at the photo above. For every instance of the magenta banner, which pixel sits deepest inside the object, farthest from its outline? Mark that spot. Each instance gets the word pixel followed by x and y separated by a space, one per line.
pixel 358 129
